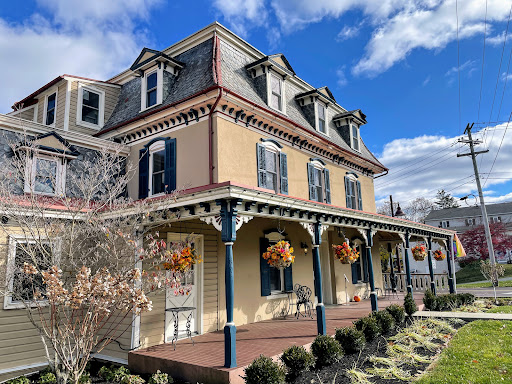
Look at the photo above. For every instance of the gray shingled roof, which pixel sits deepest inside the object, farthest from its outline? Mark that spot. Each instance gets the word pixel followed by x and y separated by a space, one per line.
pixel 450 213
pixel 196 76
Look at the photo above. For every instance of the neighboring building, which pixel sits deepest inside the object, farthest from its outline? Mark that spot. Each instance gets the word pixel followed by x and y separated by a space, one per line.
pixel 262 154
pixel 465 218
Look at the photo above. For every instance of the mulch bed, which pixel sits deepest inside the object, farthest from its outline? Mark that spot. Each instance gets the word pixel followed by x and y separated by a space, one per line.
pixel 325 375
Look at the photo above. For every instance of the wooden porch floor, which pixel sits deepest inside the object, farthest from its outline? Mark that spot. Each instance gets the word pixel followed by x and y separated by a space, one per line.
pixel 203 362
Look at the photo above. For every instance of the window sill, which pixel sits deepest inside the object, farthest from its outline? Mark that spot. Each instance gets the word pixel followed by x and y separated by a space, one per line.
pixel 97 127
pixel 148 108
pixel 8 304
pixel 277 295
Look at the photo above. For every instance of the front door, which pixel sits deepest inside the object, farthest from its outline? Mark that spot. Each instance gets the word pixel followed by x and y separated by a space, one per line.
pixel 193 299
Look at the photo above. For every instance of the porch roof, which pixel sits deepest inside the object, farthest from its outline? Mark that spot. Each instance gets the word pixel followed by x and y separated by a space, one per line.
pixel 202 203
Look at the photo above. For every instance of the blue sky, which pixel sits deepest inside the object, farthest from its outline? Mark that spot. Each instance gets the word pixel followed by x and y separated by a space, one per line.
pixel 396 60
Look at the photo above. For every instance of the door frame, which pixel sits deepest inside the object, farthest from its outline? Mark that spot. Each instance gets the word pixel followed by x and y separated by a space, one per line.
pixel 198 278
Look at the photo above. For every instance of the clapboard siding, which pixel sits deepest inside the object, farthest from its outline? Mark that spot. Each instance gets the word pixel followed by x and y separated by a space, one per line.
pixel 61 105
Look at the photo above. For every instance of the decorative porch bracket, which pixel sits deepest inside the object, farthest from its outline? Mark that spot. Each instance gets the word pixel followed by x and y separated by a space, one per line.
pixel 316 230
pixel 406 239
pixel 369 244
pixel 449 259
pixel 431 266
pixel 228 222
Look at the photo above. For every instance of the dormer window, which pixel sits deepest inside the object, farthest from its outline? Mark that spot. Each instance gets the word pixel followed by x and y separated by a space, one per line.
pixel 45 175
pixel 276 96
pixel 354 137
pixel 90 107
pixel 50 106
pixel 151 89
pixel 321 113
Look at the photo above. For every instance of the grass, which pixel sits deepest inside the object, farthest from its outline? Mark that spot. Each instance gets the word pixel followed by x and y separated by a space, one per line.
pixel 506 283
pixel 480 352
pixel 501 309
pixel 471 273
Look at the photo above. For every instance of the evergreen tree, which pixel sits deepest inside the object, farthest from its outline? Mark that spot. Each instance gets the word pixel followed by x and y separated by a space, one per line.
pixel 445 200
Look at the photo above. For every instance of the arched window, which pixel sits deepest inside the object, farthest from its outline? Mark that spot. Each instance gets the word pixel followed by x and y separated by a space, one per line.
pixel 272 166
pixel 157 167
pixel 319 182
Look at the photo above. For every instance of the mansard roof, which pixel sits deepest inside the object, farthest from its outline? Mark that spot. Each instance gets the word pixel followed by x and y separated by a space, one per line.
pixel 356 115
pixel 277 60
pixel 148 56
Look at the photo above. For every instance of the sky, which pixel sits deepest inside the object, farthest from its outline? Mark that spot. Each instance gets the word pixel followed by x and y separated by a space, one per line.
pixel 419 69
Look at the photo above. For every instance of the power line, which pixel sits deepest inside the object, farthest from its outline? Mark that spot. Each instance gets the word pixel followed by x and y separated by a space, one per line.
pixel 445 187
pixel 483 61
pixel 458 59
pixel 497 153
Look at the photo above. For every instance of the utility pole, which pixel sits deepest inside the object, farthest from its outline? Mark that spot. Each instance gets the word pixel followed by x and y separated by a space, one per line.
pixel 473 154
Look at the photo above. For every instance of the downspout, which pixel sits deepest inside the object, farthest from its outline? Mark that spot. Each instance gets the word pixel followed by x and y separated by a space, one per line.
pixel 217 80
pixel 382 174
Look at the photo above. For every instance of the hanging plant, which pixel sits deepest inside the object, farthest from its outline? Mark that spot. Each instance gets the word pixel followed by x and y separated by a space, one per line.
pixel 180 257
pixel 279 255
pixel 419 252
pixel 345 254
pixel 439 255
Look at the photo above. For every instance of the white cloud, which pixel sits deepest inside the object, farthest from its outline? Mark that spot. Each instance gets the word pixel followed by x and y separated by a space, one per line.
pixel 426 81
pixel 422 165
pixel 506 76
pixel 242 15
pixel 468 66
pixel 347 33
pixel 342 79
pixel 496 40
pixel 90 38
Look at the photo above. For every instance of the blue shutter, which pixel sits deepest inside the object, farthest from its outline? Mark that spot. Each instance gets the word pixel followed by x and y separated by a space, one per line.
pixel 262 169
pixel 347 192
pixel 354 267
pixel 170 165
pixel 264 268
pixel 288 278
pixel 283 169
pixel 311 180
pixel 143 173
pixel 327 181
pixel 359 197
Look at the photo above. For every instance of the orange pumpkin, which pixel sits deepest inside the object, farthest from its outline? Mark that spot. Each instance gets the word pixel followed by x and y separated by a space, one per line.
pixel 357 298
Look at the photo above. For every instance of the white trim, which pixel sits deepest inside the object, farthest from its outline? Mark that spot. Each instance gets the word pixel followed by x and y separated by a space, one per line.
pixel 269 75
pixel 19 111
pixel 23 368
pixel 159 87
pixel 31 172
pixel 68 105
pixel 351 124
pixel 101 107
pixel 317 105
pixel 277 295
pixel 82 80
pixel 157 146
pixel 117 360
pixel 135 336
pixel 50 92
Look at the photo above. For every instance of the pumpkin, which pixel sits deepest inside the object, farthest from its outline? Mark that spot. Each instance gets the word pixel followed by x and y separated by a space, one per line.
pixel 357 298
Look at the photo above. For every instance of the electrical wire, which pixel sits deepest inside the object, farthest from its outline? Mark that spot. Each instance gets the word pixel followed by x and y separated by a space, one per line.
pixel 458 63
pixel 483 61
pixel 499 148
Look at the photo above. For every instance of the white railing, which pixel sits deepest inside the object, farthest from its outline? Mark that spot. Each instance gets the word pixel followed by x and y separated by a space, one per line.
pixel 420 281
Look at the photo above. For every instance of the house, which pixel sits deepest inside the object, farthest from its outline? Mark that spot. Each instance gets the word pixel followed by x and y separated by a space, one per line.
pixel 262 156
pixel 463 219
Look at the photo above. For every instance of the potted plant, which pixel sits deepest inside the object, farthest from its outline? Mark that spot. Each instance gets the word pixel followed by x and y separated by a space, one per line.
pixel 419 252
pixel 180 257
pixel 439 255
pixel 279 255
pixel 345 254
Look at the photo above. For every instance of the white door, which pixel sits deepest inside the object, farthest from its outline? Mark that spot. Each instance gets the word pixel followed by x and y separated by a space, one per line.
pixel 193 299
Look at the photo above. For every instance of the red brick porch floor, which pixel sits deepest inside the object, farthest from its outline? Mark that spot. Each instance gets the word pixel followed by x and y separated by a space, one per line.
pixel 203 362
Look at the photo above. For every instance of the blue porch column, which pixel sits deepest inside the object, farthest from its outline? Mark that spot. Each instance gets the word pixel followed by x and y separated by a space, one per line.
pixel 228 213
pixel 449 253
pixel 373 293
pixel 431 266
pixel 407 264
pixel 320 308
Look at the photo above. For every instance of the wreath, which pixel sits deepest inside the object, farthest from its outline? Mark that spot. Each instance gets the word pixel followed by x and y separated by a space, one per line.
pixel 439 255
pixel 419 252
pixel 279 255
pixel 345 254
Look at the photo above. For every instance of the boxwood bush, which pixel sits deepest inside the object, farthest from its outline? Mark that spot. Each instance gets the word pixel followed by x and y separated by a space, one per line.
pixel 409 304
pixel 369 326
pixel 326 350
pixel 297 360
pixel 263 370
pixel 19 380
pixel 385 320
pixel 350 339
pixel 446 302
pixel 398 313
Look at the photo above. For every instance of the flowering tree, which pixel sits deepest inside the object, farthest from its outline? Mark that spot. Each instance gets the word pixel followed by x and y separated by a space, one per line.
pixel 475 242
pixel 76 254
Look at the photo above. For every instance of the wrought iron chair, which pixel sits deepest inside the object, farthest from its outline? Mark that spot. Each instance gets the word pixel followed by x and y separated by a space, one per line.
pixel 303 294
pixel 390 286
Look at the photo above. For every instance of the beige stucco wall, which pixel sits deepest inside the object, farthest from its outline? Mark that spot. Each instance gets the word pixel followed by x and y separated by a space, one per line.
pixel 192 157
pixel 235 160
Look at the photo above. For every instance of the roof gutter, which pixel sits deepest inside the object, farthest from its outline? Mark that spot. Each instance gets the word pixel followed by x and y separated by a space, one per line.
pixel 382 174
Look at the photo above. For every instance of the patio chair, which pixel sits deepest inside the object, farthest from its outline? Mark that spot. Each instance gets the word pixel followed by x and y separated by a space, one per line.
pixel 303 294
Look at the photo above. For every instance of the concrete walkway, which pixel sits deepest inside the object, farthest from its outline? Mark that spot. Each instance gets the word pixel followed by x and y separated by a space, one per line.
pixel 465 315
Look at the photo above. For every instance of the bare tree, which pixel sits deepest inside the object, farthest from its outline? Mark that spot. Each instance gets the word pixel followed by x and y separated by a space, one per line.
pixel 76 244
pixel 418 209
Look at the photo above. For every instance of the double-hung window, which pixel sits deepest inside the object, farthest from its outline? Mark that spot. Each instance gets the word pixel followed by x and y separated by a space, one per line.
pixel 274 281
pixel 321 117
pixel 151 89
pixel 319 182
pixel 50 109
pixel 157 167
pixel 354 137
pixel 444 224
pixel 91 107
pixel 276 92
pixel 272 167
pixel 45 175
pixel 353 192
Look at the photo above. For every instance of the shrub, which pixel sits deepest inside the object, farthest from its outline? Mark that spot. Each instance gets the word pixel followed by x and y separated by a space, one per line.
pixel 132 379
pixel 297 360
pixel 398 313
pixel 350 339
pixel 84 379
pixel 264 371
pixel 119 373
pixel 385 320
pixel 430 300
pixel 19 380
pixel 105 373
pixel 466 298
pixel 160 378
pixel 326 350
pixel 369 326
pixel 409 304
pixel 47 378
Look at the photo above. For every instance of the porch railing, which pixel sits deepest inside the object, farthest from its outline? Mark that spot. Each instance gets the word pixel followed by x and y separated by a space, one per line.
pixel 420 281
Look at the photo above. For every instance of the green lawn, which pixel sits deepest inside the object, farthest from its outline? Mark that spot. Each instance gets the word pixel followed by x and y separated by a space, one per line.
pixel 472 273
pixel 506 283
pixel 501 309
pixel 480 352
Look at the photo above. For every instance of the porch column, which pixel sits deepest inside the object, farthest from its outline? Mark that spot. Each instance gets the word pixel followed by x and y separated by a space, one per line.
pixel 407 265
pixel 320 308
pixel 392 271
pixel 449 260
pixel 228 213
pixel 373 293
pixel 431 266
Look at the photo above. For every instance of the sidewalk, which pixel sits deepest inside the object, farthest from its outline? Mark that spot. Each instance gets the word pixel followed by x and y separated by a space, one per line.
pixel 465 315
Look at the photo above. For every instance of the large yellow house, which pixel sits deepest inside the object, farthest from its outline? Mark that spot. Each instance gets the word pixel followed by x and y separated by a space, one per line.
pixel 260 154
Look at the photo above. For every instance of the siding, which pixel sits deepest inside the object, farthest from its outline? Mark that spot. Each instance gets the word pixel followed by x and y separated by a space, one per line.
pixel 152 323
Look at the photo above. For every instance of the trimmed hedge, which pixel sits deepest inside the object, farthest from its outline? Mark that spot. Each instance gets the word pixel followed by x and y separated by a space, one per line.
pixel 369 326
pixel 350 339
pixel 297 360
pixel 326 350
pixel 263 370
pixel 446 302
